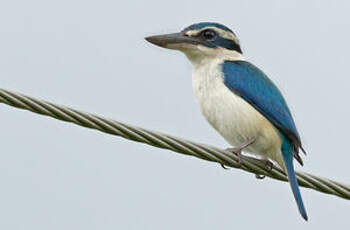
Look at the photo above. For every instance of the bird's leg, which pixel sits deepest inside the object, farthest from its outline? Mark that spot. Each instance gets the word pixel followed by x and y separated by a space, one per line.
pixel 238 150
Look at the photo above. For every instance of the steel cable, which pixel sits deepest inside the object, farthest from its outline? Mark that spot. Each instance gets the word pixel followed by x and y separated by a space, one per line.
pixel 165 141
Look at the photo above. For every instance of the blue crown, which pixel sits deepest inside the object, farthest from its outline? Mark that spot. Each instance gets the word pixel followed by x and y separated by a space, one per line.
pixel 201 25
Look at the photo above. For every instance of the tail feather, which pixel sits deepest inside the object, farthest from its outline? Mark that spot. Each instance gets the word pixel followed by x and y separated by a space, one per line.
pixel 287 153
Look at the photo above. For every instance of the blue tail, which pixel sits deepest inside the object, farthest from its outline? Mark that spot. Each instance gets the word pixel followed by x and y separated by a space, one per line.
pixel 288 153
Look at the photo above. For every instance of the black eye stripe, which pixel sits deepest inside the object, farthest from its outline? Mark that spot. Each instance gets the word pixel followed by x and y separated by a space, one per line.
pixel 213 39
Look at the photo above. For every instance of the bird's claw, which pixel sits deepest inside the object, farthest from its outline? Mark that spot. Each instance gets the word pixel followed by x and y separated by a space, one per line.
pixel 259 177
pixel 269 166
pixel 224 167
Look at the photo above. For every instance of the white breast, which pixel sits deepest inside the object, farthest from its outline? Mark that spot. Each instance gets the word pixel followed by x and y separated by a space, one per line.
pixel 234 118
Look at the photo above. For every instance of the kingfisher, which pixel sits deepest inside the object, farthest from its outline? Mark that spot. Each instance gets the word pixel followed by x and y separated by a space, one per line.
pixel 237 98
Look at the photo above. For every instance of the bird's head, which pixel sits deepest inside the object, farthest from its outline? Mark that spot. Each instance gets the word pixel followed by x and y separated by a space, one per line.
pixel 200 41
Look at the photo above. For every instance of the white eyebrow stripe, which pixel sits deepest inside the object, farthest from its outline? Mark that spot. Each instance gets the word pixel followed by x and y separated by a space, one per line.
pixel 221 32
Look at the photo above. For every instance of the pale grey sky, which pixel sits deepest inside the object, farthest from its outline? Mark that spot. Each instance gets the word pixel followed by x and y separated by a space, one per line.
pixel 91 55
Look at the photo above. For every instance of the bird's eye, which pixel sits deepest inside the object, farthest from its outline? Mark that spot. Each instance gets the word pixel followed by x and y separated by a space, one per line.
pixel 208 34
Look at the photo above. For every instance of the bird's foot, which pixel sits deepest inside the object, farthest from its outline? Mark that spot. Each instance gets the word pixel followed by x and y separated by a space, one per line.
pixel 269 166
pixel 238 150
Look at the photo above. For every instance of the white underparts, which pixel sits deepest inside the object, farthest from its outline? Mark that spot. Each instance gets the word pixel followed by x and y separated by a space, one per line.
pixel 234 118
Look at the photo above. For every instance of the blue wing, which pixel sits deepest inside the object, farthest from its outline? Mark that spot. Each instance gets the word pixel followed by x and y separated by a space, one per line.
pixel 250 83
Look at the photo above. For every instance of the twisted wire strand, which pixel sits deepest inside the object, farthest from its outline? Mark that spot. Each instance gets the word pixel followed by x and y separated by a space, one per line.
pixel 165 141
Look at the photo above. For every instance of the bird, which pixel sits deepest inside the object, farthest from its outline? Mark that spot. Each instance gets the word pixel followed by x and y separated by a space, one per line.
pixel 237 98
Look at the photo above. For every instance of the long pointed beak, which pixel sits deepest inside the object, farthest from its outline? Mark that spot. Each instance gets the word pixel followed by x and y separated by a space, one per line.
pixel 172 41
